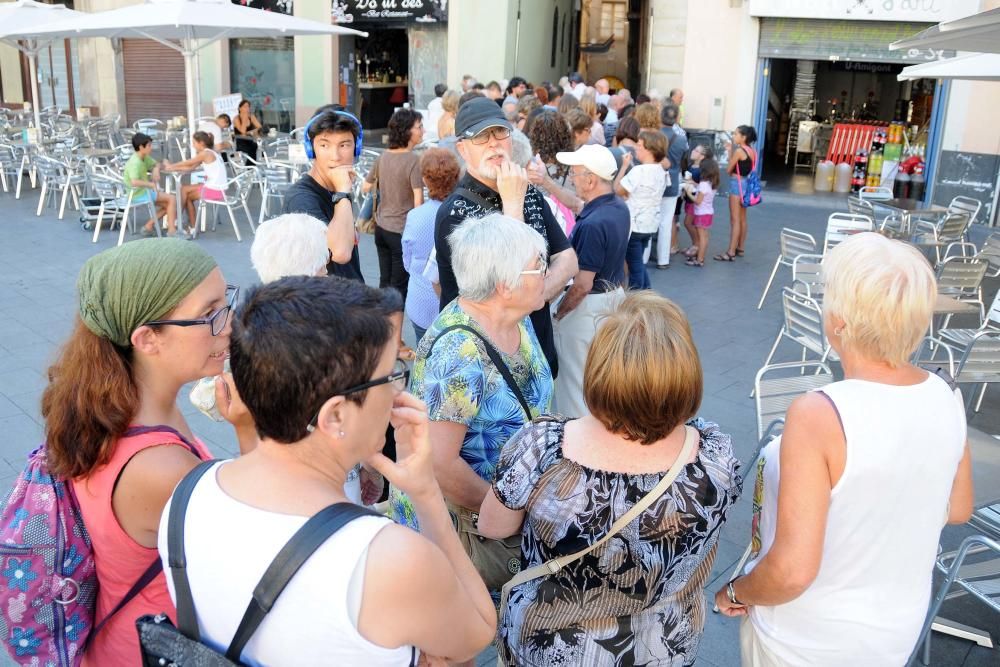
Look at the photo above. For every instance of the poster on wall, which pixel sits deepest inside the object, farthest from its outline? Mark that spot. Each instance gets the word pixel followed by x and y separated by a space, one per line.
pixel 282 6
pixel 396 11
pixel 969 175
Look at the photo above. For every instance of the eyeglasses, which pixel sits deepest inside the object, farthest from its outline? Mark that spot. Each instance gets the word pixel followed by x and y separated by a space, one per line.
pixel 216 321
pixel 398 378
pixel 498 133
pixel 543 268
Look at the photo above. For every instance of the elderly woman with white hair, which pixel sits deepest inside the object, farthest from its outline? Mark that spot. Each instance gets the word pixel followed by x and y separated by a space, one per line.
pixel 483 374
pixel 852 497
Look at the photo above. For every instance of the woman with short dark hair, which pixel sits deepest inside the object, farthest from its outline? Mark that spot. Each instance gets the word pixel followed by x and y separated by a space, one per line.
pixel 400 190
pixel 562 484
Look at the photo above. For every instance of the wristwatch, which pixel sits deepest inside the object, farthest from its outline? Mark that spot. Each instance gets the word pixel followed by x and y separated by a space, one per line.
pixel 731 593
pixel 339 196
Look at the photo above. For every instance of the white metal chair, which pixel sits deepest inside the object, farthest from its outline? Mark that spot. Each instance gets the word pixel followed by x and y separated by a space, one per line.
pixel 277 178
pixel 807 276
pixel 777 385
pixel 236 193
pixel 874 193
pixel 13 163
pixel 966 205
pixel 111 192
pixel 130 205
pixel 803 326
pixel 56 174
pixel 959 339
pixel 859 206
pixel 840 226
pixel 991 253
pixel 938 234
pixel 791 244
pixel 962 278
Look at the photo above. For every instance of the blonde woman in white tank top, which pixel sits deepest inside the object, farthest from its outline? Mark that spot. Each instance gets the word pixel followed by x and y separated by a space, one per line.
pixel 211 162
pixel 852 498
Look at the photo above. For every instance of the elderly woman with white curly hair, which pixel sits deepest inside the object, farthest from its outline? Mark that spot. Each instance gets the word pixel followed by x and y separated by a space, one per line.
pixel 483 374
pixel 851 499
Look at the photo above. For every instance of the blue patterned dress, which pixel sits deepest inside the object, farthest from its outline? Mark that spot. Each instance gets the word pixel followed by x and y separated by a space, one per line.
pixel 460 384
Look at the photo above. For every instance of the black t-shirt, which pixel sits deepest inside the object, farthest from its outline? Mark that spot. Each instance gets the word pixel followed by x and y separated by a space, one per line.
pixel 456 208
pixel 309 197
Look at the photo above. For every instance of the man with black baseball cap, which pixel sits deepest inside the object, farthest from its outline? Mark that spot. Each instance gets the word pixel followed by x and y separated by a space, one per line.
pixel 495 183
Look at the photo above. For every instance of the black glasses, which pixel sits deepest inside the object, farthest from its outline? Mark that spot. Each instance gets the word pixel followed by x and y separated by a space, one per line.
pixel 498 133
pixel 217 320
pixel 398 378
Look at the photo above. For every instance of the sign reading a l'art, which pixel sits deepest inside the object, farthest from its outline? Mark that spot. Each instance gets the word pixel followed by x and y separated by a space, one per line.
pixel 397 11
pixel 925 11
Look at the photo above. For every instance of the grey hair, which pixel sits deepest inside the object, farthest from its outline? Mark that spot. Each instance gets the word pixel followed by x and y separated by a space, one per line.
pixel 293 244
pixel 521 155
pixel 492 251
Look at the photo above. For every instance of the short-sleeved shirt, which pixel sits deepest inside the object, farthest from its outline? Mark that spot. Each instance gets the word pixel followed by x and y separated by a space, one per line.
pixel 707 205
pixel 456 208
pixel 600 238
pixel 676 150
pixel 398 176
pixel 643 591
pixel 137 168
pixel 460 384
pixel 644 184
pixel 309 197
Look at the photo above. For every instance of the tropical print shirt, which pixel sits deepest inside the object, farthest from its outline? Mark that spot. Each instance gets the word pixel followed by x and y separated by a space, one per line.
pixel 460 384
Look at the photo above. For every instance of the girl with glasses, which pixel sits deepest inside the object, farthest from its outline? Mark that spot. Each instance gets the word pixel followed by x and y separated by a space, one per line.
pixel 154 315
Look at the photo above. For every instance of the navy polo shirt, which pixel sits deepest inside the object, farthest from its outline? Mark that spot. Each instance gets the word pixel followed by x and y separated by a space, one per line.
pixel 600 239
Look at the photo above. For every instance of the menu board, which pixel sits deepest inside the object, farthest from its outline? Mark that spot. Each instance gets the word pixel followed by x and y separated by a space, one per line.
pixel 389 11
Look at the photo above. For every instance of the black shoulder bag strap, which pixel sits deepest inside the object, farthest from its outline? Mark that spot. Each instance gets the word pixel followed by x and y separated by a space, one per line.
pixel 476 198
pixel 157 565
pixel 497 360
pixel 297 551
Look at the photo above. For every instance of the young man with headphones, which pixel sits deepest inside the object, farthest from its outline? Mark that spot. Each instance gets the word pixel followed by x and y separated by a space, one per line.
pixel 333 140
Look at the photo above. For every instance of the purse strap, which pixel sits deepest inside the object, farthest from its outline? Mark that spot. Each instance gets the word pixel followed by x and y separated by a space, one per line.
pixel 314 532
pixel 556 564
pixel 497 360
pixel 476 198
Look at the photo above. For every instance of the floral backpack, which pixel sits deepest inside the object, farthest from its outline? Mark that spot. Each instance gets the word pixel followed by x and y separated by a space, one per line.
pixel 750 189
pixel 48 580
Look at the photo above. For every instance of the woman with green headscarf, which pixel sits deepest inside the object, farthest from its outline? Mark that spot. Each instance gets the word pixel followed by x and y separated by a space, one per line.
pixel 154 315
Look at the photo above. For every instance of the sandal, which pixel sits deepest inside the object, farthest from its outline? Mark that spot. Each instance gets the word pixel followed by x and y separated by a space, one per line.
pixel 691 252
pixel 694 262
pixel 406 353
pixel 740 252
pixel 724 257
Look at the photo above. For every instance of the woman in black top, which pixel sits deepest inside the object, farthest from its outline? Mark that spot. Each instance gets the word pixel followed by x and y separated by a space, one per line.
pixel 741 162
pixel 247 128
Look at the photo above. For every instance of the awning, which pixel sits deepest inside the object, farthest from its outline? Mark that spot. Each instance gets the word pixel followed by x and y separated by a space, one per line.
pixel 973 67
pixel 979 32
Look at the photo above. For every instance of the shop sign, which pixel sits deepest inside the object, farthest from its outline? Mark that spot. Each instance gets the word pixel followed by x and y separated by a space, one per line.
pixel 922 11
pixel 280 6
pixel 396 11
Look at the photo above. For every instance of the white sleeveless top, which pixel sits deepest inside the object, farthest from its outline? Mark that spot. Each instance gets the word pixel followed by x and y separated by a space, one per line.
pixel 229 545
pixel 215 173
pixel 869 599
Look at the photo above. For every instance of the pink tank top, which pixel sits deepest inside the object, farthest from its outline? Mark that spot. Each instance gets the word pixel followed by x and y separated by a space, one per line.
pixel 119 559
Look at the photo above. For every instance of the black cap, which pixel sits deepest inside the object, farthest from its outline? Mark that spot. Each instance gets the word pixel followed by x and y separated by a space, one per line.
pixel 478 114
pixel 575 78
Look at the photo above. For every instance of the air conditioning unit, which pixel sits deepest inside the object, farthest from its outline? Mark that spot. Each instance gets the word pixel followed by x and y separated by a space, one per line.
pixel 716 114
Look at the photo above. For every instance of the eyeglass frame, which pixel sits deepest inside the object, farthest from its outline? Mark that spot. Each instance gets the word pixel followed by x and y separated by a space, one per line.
pixel 232 290
pixel 488 133
pixel 401 371
pixel 542 269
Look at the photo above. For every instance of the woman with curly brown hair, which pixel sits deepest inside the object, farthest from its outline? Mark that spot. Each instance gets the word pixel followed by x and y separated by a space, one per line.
pixel 400 189
pixel 153 316
pixel 648 116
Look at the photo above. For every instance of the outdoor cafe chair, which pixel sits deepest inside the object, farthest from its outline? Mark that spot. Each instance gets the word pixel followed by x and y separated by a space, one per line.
pixel 803 325
pixel 990 251
pixel 962 279
pixel 938 234
pixel 110 191
pixel 840 226
pixel 960 338
pixel 979 362
pixel 236 193
pixel 807 276
pixel 791 244
pixel 58 175
pixel 131 207
pixel 777 385
pixel 13 163
pixel 978 576
pixel 874 193
pixel 859 206
pixel 277 178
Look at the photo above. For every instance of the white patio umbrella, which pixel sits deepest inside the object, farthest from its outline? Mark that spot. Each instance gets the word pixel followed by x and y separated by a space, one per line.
pixel 19 23
pixel 979 33
pixel 971 67
pixel 194 24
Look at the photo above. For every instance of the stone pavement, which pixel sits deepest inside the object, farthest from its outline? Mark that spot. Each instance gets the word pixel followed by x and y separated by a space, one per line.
pixel 41 256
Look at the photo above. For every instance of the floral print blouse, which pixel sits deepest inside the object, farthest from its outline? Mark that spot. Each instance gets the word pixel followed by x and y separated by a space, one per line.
pixel 637 600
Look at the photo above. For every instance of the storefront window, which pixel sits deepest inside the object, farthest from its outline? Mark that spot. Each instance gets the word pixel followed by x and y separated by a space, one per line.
pixel 263 71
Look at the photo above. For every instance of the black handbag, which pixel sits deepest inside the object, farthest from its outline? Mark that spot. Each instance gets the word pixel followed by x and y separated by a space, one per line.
pixel 163 644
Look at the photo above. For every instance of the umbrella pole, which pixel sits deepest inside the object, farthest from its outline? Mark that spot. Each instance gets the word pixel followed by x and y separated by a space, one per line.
pixel 35 97
pixel 189 56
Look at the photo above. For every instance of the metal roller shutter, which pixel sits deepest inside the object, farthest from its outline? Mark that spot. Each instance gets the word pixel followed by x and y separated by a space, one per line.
pixel 823 39
pixel 154 80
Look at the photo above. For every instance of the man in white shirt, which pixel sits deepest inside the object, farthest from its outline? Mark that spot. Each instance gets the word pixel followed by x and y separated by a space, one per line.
pixel 222 122
pixel 434 112
pixel 576 85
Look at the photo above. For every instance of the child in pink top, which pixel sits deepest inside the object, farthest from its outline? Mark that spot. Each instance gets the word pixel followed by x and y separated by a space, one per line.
pixel 704 208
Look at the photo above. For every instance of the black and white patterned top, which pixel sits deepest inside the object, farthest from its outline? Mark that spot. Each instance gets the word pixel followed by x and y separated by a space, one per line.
pixel 637 600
